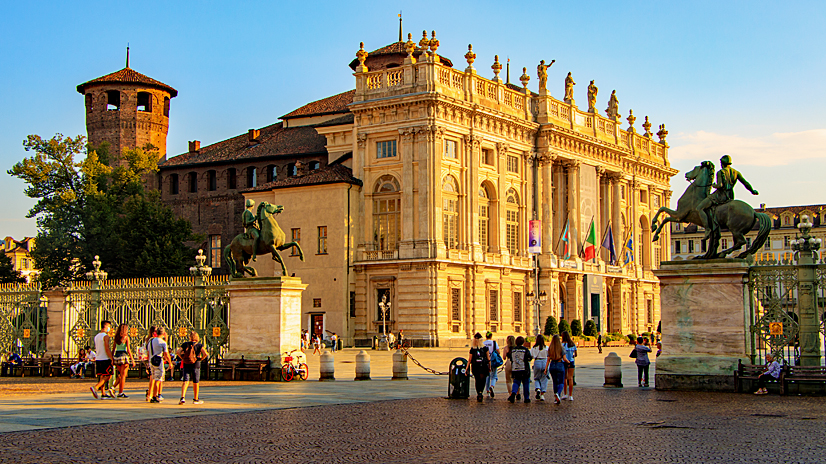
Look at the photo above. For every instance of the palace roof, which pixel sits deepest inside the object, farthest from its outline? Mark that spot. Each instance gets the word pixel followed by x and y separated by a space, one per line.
pixel 127 75
pixel 330 105
pixel 397 48
pixel 330 174
pixel 272 141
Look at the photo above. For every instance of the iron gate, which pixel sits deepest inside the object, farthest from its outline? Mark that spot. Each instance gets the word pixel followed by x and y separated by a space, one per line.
pixel 22 319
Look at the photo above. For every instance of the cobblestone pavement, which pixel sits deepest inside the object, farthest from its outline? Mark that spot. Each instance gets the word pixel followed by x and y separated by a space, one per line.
pixel 600 426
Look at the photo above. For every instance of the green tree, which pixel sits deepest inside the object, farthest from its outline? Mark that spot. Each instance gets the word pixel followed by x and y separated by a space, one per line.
pixel 7 272
pixel 564 327
pixel 590 328
pixel 550 326
pixel 87 207
pixel 576 328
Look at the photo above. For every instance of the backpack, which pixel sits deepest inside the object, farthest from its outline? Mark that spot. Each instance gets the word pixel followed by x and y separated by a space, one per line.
pixel 495 357
pixel 189 356
pixel 478 359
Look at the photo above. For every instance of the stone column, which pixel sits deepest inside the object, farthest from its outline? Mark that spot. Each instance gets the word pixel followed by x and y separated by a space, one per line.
pixel 546 166
pixel 807 288
pixel 573 205
pixel 601 216
pixel 705 306
pixel 406 152
pixel 56 322
pixel 266 317
pixel 616 209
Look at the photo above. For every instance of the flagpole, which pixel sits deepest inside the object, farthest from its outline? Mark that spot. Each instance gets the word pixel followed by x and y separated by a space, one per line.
pixel 608 226
pixel 560 238
pixel 586 235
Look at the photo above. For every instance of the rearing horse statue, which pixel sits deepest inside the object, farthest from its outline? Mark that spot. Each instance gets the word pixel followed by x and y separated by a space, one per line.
pixel 737 216
pixel 238 253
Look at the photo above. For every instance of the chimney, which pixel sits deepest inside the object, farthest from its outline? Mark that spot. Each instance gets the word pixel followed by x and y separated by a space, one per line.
pixel 253 135
pixel 762 206
pixel 194 146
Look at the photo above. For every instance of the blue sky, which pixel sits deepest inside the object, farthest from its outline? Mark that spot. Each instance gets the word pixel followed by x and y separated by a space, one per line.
pixel 744 78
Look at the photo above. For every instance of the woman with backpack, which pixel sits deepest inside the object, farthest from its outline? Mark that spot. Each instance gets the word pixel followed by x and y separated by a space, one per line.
pixel 495 362
pixel 191 354
pixel 479 364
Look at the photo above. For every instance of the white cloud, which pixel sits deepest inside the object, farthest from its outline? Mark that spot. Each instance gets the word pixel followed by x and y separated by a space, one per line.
pixel 777 149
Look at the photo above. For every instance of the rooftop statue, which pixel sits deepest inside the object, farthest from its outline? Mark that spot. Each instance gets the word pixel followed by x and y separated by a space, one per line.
pixel 613 106
pixel 569 88
pixel 593 90
pixel 261 235
pixel 718 209
pixel 542 72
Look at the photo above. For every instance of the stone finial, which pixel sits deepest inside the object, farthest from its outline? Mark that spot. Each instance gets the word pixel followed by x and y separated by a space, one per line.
pixel 97 274
pixel 434 44
pixel 410 47
pixel 470 56
pixel 631 118
pixel 497 68
pixel 647 126
pixel 524 78
pixel 425 42
pixel 662 133
pixel 199 269
pixel 361 55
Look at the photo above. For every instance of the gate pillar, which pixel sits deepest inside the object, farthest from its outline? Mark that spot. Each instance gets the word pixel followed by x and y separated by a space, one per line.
pixel 807 246
pixel 56 326
pixel 705 322
pixel 265 319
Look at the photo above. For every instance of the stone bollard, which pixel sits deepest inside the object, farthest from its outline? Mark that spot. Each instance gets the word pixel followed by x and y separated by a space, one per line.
pixel 362 366
pixel 613 371
pixel 399 365
pixel 326 367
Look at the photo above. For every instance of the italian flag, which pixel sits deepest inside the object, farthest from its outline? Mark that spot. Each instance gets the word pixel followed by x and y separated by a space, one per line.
pixel 589 250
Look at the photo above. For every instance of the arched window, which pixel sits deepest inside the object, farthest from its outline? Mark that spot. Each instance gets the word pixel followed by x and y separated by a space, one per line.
pixel 512 221
pixel 484 218
pixel 166 106
pixel 232 182
pixel 212 181
pixel 386 213
pixel 173 184
pixel 272 172
pixel 193 182
pixel 291 170
pixel 145 102
pixel 450 212
pixel 89 102
pixel 252 177
pixel 112 100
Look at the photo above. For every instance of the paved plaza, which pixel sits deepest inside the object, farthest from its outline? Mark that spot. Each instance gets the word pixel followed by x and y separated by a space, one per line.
pixel 56 420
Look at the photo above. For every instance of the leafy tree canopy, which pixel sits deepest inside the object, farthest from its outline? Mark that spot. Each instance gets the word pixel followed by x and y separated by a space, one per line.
pixel 7 272
pixel 550 326
pixel 92 202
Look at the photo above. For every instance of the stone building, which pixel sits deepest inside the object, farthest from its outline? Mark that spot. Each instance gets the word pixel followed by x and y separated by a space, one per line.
pixel 19 252
pixel 417 187
pixel 686 239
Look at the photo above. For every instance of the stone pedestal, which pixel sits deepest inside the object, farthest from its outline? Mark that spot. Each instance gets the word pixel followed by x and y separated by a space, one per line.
pixel 265 317
pixel 705 307
pixel 56 323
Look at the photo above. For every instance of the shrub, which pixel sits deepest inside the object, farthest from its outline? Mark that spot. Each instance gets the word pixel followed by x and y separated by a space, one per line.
pixel 551 326
pixel 576 328
pixel 564 327
pixel 632 338
pixel 590 328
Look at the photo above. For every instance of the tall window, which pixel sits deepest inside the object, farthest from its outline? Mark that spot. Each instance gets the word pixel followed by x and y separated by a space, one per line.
pixel 144 102
pixel 493 304
pixel 513 164
pixel 271 173
pixel 232 182
pixel 212 180
pixel 252 177
pixel 517 307
pixel 386 149
pixel 296 239
pixel 450 212
pixel 691 246
pixel 193 182
pixel 173 184
pixel 456 304
pixel 450 149
pixel 215 250
pixel 487 156
pixel 512 222
pixel 292 170
pixel 166 106
pixel 484 218
pixel 677 247
pixel 649 313
pixel 386 213
pixel 322 240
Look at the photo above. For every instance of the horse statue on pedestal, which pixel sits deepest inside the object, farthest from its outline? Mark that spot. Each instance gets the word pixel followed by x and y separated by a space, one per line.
pixel 271 240
pixel 737 216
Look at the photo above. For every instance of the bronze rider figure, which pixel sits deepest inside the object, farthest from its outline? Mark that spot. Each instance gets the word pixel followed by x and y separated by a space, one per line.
pixel 727 177
pixel 251 226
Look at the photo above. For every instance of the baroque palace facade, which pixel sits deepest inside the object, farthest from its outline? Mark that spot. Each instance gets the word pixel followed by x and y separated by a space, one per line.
pixel 417 188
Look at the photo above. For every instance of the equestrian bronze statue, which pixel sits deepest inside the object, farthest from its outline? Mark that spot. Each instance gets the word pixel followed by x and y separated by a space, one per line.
pixel 717 210
pixel 262 235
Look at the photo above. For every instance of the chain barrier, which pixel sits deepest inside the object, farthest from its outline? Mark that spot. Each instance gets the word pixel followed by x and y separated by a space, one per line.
pixel 433 371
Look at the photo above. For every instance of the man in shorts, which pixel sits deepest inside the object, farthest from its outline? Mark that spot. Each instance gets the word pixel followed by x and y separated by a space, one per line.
pixel 103 360
pixel 159 360
pixel 191 354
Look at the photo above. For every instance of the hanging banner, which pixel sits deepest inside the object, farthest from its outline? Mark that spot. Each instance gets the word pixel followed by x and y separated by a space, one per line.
pixel 535 236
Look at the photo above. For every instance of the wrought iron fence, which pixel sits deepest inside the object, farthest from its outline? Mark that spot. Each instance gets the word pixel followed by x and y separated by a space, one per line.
pixel 22 319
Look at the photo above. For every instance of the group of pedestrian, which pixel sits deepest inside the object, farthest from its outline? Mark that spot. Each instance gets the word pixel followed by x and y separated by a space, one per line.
pixel 552 362
pixel 114 355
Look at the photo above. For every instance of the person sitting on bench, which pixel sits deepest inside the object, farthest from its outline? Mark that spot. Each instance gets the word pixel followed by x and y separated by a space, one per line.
pixel 12 360
pixel 772 373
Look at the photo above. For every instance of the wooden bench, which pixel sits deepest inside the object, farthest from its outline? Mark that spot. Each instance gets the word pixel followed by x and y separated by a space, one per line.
pixel 803 374
pixel 259 367
pixel 751 372
pixel 33 366
pixel 58 365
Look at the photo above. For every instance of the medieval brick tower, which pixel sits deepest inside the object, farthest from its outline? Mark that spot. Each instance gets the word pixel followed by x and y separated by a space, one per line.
pixel 128 110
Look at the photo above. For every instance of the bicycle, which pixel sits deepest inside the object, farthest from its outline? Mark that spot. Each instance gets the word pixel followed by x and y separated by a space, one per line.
pixel 293 367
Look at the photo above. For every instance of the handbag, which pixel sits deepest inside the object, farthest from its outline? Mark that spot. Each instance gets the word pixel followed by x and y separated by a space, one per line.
pixel 633 353
pixel 495 357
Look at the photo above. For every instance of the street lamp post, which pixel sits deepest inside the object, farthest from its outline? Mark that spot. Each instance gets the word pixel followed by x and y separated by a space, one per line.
pixel 537 301
pixel 384 305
